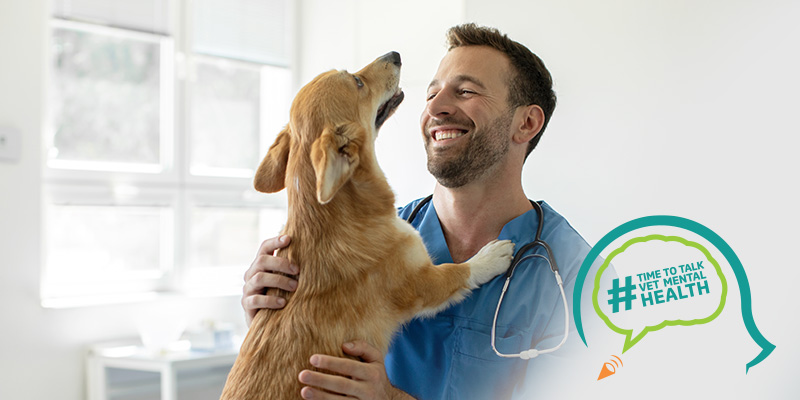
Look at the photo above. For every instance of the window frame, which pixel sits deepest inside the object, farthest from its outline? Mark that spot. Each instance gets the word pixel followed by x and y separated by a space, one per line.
pixel 174 186
pixel 167 110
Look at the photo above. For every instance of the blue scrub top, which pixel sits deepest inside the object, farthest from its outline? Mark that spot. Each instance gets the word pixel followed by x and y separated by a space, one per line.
pixel 449 356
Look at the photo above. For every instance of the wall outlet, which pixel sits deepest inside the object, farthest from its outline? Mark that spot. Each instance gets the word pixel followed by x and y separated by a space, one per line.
pixel 10 144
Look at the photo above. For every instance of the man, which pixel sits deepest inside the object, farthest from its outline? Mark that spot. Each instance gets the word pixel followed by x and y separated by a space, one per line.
pixel 487 108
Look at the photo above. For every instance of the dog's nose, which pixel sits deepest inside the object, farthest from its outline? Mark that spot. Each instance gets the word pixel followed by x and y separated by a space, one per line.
pixel 392 57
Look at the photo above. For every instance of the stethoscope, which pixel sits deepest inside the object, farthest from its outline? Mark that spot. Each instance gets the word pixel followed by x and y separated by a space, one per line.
pixel 519 258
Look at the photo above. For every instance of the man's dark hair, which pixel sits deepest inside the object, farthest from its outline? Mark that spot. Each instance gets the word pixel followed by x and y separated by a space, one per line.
pixel 530 81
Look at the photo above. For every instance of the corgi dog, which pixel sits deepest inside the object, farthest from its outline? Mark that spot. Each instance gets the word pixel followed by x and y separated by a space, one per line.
pixel 363 270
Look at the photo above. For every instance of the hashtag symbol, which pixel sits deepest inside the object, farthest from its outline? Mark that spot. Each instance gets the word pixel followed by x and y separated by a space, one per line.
pixel 615 297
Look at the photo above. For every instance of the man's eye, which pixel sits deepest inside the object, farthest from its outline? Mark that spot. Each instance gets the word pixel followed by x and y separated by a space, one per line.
pixel 466 91
pixel 430 96
pixel 359 82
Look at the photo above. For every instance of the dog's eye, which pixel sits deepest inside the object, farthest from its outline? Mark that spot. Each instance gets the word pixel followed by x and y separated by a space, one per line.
pixel 359 82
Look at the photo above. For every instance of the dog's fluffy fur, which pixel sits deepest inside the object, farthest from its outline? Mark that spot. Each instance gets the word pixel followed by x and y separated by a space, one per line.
pixel 363 271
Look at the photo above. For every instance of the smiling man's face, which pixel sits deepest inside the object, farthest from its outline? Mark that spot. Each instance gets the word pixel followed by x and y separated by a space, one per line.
pixel 467 119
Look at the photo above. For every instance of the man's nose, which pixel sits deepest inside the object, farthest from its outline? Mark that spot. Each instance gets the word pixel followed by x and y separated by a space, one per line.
pixel 440 104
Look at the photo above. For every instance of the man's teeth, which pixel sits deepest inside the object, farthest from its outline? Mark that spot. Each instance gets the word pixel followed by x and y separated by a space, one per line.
pixel 443 135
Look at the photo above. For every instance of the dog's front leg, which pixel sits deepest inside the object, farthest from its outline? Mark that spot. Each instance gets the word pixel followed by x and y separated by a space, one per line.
pixel 446 284
pixel 491 260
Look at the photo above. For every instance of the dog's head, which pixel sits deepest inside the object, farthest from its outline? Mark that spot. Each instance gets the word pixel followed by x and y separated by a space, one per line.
pixel 337 115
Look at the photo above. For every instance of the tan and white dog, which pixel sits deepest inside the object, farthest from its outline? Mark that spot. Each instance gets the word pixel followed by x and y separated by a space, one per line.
pixel 363 270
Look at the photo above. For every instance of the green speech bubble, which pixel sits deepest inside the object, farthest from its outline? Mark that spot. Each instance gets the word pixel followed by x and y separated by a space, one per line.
pixel 631 340
pixel 684 223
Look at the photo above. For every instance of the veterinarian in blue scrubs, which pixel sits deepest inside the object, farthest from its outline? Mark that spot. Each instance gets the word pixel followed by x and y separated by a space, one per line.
pixel 487 106
pixel 449 355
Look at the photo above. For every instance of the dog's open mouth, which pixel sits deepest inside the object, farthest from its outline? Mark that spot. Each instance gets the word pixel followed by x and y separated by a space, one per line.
pixel 387 109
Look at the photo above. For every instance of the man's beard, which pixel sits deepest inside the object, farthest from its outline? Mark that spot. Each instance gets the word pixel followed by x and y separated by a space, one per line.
pixel 486 147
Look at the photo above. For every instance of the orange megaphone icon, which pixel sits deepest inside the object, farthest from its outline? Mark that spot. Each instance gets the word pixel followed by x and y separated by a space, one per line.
pixel 609 369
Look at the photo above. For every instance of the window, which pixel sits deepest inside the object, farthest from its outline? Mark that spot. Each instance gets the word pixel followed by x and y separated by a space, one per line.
pixel 110 98
pixel 160 111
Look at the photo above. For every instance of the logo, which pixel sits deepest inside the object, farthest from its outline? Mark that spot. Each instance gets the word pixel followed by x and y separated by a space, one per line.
pixel 609 369
pixel 663 281
pixel 616 299
pixel 670 281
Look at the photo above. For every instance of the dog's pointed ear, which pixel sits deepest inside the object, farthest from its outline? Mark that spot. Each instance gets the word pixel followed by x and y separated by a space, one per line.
pixel 271 174
pixel 334 156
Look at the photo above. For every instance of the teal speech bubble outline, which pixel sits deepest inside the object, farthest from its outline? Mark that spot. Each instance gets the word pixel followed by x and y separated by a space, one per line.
pixel 630 342
pixel 699 229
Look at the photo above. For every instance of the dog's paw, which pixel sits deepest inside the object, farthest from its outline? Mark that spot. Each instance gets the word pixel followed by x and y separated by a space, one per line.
pixel 492 260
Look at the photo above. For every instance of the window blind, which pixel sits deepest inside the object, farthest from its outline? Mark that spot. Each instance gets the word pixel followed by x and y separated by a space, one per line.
pixel 249 30
pixel 143 15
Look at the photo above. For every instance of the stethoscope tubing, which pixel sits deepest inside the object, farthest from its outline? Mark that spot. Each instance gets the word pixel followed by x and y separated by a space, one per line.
pixel 518 259
pixel 531 353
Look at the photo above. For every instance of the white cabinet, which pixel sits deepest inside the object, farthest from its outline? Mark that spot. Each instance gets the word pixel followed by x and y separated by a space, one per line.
pixel 178 370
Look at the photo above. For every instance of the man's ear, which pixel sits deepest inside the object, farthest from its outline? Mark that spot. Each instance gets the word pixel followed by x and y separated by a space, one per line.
pixel 334 156
pixel 530 120
pixel 271 174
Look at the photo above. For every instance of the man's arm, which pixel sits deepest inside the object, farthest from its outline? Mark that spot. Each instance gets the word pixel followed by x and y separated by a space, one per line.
pixel 262 275
pixel 365 379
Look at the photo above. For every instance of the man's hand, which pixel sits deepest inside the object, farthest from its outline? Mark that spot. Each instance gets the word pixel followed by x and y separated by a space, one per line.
pixel 365 379
pixel 262 275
